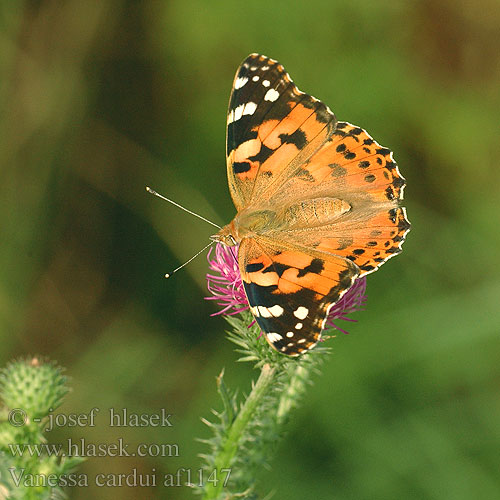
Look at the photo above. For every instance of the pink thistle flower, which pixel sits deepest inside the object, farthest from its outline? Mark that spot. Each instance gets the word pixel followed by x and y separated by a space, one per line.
pixel 226 285
pixel 227 290
pixel 353 300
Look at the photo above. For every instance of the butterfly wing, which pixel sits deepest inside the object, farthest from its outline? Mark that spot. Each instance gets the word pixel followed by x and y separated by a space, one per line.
pixel 270 124
pixel 370 227
pixel 291 289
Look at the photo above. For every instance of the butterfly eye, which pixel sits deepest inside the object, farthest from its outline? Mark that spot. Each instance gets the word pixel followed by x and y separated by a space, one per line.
pixel 226 239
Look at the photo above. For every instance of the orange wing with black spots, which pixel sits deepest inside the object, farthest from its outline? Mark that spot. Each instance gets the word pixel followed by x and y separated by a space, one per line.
pixel 291 289
pixel 353 168
pixel 350 159
pixel 317 201
pixel 270 124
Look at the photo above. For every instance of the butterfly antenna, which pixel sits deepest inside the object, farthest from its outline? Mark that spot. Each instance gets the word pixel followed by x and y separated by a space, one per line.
pixel 234 253
pixel 187 262
pixel 152 191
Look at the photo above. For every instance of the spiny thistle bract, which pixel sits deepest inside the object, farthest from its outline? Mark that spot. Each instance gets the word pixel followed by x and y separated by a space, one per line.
pixel 29 390
pixel 34 386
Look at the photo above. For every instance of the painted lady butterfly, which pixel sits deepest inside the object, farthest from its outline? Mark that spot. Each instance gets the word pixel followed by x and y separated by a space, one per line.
pixel 317 202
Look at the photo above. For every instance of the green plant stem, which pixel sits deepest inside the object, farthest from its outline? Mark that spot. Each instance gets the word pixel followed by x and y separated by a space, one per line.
pixel 293 390
pixel 228 450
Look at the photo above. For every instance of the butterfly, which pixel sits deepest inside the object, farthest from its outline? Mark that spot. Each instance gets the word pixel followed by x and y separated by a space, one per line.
pixel 317 203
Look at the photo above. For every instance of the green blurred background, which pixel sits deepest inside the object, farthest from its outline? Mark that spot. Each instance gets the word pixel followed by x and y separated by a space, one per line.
pixel 100 98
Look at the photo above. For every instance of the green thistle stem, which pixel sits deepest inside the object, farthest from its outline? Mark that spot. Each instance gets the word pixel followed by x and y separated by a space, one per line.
pixel 245 435
pixel 293 391
pixel 224 457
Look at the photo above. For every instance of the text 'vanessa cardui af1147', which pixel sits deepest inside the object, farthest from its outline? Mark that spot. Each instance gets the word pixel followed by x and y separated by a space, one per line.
pixel 317 202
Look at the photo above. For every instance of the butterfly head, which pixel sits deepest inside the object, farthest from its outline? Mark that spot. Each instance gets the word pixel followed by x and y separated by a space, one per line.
pixel 247 224
pixel 225 236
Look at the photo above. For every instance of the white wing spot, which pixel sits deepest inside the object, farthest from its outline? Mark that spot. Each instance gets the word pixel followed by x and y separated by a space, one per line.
pixel 274 337
pixel 266 83
pixel 255 78
pixel 255 311
pixel 276 310
pixel 253 68
pixel 264 312
pixel 240 82
pixel 264 68
pixel 289 334
pixel 301 312
pixel 298 326
pixel 250 108
pixel 290 344
pixel 243 109
pixel 301 341
pixel 271 95
pixel 238 112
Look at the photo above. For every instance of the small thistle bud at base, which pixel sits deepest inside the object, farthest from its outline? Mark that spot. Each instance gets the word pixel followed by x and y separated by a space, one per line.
pixel 32 385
